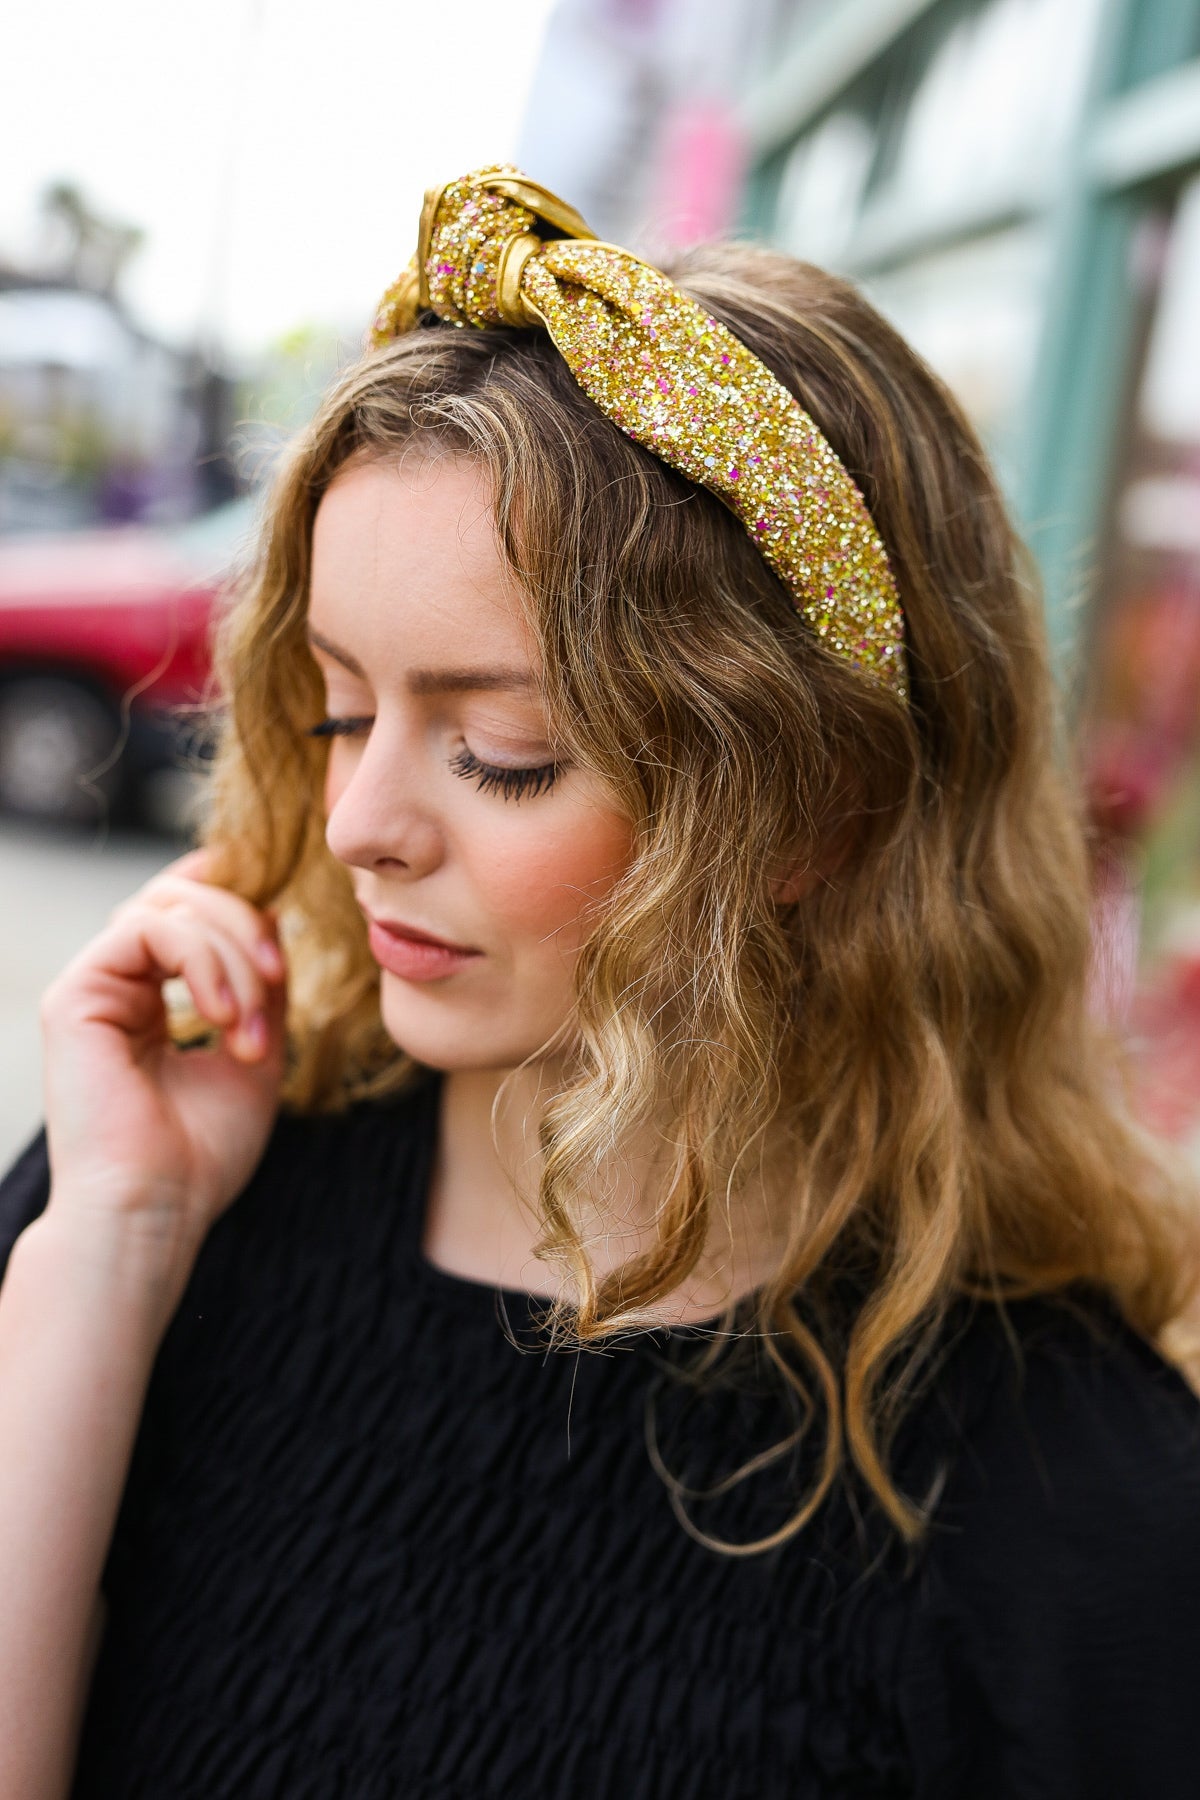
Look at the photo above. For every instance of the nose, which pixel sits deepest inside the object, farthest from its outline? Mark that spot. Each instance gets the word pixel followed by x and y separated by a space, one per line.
pixel 376 816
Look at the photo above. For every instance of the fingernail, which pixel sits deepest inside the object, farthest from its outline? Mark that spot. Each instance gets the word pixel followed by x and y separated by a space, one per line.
pixel 253 1033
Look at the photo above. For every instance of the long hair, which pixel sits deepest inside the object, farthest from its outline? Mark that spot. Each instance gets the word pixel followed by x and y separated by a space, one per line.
pixel 905 1053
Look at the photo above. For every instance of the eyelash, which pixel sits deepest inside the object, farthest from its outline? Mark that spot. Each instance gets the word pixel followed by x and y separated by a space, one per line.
pixel 489 778
pixel 513 784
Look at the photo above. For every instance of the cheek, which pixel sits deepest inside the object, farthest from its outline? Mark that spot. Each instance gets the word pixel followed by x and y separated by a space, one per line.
pixel 545 883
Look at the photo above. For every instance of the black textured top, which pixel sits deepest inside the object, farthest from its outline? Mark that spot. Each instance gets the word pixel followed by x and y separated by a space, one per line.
pixel 371 1548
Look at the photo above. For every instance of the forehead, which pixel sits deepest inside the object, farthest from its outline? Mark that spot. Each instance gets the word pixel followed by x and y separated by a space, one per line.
pixel 405 563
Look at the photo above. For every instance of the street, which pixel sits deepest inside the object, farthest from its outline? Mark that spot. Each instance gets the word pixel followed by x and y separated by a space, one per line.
pixel 57 890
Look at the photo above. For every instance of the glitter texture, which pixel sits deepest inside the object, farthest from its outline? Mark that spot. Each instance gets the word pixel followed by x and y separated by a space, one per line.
pixel 683 386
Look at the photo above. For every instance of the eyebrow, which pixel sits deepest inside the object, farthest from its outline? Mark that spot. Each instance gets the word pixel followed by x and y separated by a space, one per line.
pixel 435 681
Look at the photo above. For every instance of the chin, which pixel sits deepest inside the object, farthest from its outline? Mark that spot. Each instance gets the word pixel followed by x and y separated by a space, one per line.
pixel 447 1038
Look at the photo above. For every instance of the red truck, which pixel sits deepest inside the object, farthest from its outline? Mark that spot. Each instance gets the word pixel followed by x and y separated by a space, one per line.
pixel 104 661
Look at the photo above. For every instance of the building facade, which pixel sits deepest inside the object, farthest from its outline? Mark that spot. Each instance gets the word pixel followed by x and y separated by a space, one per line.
pixel 1016 183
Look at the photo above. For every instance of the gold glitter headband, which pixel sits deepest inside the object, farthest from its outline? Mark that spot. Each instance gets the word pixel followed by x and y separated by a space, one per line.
pixel 672 378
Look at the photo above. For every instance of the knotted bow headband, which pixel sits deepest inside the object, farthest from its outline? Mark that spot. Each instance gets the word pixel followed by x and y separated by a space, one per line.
pixel 672 378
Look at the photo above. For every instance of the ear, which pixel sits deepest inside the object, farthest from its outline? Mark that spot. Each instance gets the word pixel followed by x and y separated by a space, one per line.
pixel 796 884
pixel 797 875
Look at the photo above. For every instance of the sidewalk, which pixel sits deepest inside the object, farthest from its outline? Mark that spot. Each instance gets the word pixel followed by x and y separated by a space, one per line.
pixel 58 890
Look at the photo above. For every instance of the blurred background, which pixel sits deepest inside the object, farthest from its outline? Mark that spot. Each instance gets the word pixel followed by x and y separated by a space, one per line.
pixel 196 220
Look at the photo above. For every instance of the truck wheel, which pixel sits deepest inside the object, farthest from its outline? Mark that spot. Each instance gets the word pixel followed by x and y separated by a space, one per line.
pixel 58 750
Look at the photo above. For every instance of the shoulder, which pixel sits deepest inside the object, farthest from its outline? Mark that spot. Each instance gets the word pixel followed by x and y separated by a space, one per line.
pixel 1067 1422
pixel 309 1156
pixel 1054 1610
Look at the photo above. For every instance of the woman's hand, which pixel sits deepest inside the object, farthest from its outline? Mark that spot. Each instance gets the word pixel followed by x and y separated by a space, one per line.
pixel 148 1141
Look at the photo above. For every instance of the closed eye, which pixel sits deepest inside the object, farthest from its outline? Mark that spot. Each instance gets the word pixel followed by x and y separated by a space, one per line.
pixel 513 784
pixel 489 778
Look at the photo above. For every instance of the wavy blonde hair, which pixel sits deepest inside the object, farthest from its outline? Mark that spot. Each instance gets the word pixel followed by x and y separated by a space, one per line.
pixel 907 1048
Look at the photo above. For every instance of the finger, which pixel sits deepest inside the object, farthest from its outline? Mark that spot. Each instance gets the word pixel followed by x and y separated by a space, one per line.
pixel 246 1027
pixel 208 985
pixel 269 1066
pixel 247 1024
pixel 259 1036
pixel 192 863
pixel 256 931
pixel 149 945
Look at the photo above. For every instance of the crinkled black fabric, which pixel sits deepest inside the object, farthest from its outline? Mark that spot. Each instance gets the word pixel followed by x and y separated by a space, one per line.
pixel 371 1549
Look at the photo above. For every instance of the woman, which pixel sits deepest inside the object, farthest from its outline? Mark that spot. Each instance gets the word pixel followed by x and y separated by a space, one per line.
pixel 639 911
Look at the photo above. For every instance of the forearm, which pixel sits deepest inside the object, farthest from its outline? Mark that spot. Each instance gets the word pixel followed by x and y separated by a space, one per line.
pixel 80 1322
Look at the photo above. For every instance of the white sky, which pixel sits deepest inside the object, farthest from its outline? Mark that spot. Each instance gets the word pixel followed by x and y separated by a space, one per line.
pixel 275 151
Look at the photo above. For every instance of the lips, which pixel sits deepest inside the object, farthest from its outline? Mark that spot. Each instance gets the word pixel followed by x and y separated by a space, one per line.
pixel 413 954
pixel 414 934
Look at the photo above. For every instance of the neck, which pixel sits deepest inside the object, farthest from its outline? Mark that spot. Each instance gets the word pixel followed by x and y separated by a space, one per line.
pixel 481 1220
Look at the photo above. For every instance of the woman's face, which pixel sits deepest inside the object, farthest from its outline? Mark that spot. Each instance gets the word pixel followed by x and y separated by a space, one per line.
pixel 444 796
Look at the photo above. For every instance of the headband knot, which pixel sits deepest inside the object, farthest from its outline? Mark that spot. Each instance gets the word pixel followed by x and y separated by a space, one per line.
pixel 496 249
